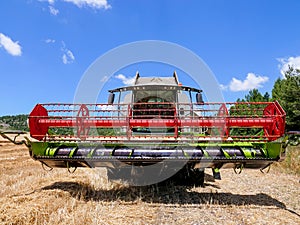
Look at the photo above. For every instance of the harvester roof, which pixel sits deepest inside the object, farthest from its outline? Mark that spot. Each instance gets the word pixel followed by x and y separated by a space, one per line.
pixel 156 83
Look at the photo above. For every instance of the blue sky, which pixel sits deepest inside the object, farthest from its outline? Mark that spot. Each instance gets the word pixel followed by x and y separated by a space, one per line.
pixel 47 45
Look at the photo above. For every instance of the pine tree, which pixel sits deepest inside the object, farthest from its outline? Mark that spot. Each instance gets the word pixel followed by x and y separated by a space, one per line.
pixel 287 92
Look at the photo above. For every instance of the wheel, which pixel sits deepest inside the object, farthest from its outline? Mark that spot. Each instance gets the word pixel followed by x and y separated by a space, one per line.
pixel 128 174
pixel 188 176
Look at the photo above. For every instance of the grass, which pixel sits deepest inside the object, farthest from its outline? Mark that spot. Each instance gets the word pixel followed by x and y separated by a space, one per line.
pixel 291 163
pixel 30 195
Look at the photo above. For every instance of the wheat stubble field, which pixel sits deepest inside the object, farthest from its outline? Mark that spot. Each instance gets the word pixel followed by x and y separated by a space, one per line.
pixel 30 195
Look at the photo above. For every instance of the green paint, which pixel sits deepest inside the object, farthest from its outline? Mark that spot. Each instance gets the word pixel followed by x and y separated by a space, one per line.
pixel 185 154
pixel 271 150
pixel 226 154
pixel 91 153
pixel 206 154
pixel 274 149
pixel 216 170
pixel 72 152
pixel 248 153
pixel 130 154
pixel 39 148
pixel 51 151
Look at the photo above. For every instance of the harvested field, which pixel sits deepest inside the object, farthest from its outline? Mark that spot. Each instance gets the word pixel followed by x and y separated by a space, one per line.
pixel 30 195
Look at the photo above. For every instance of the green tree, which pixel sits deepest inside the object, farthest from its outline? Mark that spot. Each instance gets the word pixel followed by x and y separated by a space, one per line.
pixel 287 92
pixel 266 97
pixel 18 122
pixel 249 110
pixel 254 96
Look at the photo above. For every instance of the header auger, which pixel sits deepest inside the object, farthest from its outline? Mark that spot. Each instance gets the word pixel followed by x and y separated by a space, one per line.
pixel 158 121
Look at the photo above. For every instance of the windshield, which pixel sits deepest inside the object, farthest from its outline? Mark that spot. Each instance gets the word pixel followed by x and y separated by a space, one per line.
pixel 154 96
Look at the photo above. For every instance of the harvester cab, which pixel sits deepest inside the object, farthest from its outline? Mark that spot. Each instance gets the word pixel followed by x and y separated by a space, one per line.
pixel 156 98
pixel 158 121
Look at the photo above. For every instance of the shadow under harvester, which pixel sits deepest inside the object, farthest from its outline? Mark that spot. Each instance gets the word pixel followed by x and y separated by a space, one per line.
pixel 161 195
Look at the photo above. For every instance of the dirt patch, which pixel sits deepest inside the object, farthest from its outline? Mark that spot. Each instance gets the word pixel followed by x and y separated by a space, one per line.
pixel 30 195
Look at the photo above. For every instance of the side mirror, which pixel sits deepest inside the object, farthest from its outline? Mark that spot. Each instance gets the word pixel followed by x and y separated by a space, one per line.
pixel 199 99
pixel 111 98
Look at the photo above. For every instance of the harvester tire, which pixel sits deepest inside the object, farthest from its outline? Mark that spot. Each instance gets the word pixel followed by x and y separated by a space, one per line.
pixel 188 176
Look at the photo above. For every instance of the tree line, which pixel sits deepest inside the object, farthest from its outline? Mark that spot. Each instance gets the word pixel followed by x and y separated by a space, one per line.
pixel 18 122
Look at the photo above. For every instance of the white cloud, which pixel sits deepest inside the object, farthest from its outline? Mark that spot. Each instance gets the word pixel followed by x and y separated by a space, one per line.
pixel 49 41
pixel 10 46
pixel 126 80
pixel 68 56
pixel 285 63
pixel 223 87
pixel 53 10
pixel 252 81
pixel 51 2
pixel 96 4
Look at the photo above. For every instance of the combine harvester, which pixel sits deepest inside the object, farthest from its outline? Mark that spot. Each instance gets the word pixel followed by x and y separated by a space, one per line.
pixel 158 121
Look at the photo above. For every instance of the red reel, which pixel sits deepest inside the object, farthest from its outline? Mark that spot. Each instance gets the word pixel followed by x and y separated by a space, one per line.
pixel 82 129
pixel 38 130
pixel 223 113
pixel 276 129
